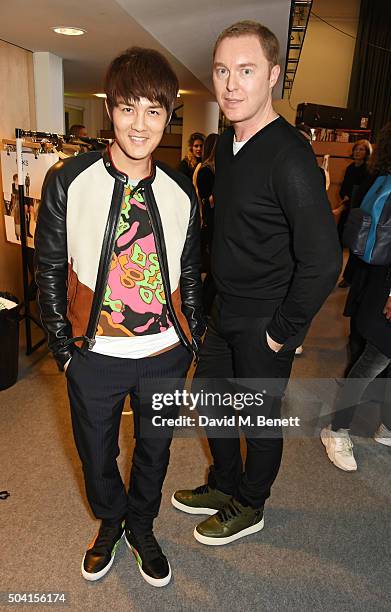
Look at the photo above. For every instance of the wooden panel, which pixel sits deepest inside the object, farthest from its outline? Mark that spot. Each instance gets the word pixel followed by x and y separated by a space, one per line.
pixel 17 109
pixel 339 160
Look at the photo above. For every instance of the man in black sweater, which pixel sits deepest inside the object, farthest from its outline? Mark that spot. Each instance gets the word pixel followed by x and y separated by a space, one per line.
pixel 275 259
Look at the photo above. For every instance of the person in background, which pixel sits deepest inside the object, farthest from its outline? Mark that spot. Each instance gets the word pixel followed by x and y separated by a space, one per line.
pixel 369 306
pixel 193 156
pixel 15 208
pixel 204 181
pixel 355 174
pixel 78 131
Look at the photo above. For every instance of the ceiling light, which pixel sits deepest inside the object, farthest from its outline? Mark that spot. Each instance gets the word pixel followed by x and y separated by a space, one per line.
pixel 100 95
pixel 69 30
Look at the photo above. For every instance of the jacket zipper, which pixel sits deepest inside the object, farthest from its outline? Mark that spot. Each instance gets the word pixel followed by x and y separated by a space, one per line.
pixel 90 337
pixel 95 312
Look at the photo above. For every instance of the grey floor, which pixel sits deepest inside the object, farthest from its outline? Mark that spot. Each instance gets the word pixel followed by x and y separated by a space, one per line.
pixel 325 545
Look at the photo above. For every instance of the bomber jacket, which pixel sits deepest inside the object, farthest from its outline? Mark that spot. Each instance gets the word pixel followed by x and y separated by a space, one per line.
pixel 74 241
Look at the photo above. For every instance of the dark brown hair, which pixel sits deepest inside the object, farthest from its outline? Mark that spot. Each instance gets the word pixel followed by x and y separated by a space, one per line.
pixel 267 39
pixel 208 154
pixel 75 129
pixel 380 161
pixel 141 73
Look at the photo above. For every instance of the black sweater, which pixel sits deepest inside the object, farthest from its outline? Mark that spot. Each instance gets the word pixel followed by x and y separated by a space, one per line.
pixel 276 251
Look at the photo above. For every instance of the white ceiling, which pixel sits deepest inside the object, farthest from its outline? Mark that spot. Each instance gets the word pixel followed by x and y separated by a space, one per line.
pixel 184 31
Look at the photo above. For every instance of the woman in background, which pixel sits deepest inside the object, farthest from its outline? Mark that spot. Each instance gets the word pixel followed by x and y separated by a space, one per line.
pixel 355 175
pixel 204 181
pixel 193 156
pixel 369 307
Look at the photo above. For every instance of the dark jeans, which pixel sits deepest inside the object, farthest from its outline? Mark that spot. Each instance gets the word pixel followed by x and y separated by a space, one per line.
pixel 97 388
pixel 235 346
pixel 366 368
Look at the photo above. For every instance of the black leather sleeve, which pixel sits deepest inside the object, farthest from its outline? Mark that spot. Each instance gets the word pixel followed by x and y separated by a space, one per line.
pixel 51 263
pixel 191 287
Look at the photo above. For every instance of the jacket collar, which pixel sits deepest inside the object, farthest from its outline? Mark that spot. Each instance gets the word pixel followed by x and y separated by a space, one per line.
pixel 117 174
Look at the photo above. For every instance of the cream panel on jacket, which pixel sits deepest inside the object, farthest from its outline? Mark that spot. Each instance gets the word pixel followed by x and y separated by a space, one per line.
pixel 89 199
pixel 174 209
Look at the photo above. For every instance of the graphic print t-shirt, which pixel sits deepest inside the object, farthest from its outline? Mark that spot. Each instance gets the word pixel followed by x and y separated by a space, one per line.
pixel 134 305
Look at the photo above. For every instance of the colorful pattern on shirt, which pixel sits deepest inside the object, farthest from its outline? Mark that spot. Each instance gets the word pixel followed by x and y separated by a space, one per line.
pixel 134 303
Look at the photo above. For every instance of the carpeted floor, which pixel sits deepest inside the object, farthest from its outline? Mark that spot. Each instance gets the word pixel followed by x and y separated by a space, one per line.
pixel 325 545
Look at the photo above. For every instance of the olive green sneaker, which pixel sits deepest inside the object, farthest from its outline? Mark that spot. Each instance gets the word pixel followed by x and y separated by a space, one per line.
pixel 232 522
pixel 202 500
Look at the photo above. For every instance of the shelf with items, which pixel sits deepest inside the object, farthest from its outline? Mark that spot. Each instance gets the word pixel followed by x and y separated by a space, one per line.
pixel 340 156
pixel 340 135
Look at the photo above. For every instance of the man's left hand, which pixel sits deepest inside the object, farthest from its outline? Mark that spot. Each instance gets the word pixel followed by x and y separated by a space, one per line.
pixel 387 309
pixel 272 344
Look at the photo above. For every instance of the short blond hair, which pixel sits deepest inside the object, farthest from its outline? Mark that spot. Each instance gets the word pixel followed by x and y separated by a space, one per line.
pixel 366 144
pixel 267 39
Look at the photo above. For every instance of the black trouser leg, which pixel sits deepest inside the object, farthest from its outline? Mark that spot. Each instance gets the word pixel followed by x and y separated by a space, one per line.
pixel 216 364
pixel 152 447
pixel 356 345
pixel 97 387
pixel 368 366
pixel 238 345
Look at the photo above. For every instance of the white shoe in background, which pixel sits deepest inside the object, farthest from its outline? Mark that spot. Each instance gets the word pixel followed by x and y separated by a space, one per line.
pixel 299 350
pixel 383 435
pixel 339 448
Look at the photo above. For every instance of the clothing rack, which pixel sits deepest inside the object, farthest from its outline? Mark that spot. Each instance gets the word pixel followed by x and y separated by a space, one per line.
pixel 40 142
pixel 27 316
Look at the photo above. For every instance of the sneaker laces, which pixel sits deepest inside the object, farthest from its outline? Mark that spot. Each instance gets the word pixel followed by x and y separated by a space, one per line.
pixel 148 546
pixel 229 512
pixel 201 490
pixel 105 538
pixel 344 446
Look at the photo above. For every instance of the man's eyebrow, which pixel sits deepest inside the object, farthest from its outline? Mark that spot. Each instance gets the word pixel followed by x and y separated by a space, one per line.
pixel 242 65
pixel 151 105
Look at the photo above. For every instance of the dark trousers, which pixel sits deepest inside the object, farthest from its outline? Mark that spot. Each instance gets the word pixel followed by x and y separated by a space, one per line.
pixel 367 367
pixel 235 346
pixel 97 388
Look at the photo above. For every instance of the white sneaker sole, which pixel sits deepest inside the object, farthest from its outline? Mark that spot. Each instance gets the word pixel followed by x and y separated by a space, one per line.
pixel 385 441
pixel 98 575
pixel 221 541
pixel 156 582
pixel 190 510
pixel 331 457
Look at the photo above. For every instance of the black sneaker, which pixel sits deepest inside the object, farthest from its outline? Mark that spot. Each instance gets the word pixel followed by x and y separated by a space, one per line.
pixel 202 500
pixel 151 561
pixel 100 555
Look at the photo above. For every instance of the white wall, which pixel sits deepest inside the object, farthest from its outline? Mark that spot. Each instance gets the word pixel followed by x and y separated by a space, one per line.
pixel 94 112
pixel 323 74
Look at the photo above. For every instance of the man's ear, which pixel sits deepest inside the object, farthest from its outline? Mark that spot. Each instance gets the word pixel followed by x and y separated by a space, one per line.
pixel 168 119
pixel 274 74
pixel 107 110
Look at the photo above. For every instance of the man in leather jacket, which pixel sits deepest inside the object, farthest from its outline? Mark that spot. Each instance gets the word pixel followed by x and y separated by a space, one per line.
pixel 117 266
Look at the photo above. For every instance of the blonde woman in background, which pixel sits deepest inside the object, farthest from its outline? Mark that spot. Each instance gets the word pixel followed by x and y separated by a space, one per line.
pixel 194 154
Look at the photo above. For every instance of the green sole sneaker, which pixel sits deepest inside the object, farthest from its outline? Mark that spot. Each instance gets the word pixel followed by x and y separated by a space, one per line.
pixel 202 500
